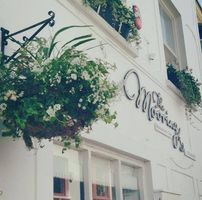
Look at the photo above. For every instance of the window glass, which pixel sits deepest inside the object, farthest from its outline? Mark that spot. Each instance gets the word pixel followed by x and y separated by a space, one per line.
pixel 68 176
pixel 103 186
pixel 167 30
pixel 129 183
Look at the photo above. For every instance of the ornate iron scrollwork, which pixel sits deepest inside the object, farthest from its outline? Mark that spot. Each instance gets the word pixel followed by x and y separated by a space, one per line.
pixel 5 36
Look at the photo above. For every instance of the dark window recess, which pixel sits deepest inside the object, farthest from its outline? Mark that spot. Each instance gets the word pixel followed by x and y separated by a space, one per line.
pixel 200 30
pixel 172 76
pixel 113 193
pixel 59 186
pixel 82 194
pixel 200 33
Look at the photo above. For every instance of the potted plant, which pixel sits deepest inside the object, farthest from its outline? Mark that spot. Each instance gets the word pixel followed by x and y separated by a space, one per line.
pixel 98 5
pixel 104 8
pixel 188 86
pixel 118 16
pixel 124 19
pixel 46 94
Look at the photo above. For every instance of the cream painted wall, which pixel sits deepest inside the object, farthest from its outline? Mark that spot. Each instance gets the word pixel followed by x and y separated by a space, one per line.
pixel 26 175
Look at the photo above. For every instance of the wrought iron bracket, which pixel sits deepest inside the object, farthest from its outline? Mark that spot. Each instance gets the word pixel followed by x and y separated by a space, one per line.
pixel 5 36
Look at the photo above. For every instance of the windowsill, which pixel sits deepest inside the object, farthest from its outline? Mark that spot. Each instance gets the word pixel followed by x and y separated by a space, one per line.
pixel 62 197
pixel 113 37
pixel 168 192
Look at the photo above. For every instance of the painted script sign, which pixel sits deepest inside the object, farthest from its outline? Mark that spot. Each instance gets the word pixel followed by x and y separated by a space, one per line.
pixel 150 102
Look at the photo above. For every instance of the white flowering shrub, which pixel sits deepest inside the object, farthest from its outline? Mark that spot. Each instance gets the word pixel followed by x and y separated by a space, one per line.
pixel 45 96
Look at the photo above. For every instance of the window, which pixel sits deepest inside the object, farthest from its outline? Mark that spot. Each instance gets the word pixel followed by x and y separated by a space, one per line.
pixel 169 40
pixel 98 175
pixel 103 187
pixel 68 175
pixel 129 179
pixel 172 33
pixel 60 188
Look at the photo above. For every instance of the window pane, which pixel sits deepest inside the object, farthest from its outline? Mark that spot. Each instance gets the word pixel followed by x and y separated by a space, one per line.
pixel 103 179
pixel 59 186
pixel 170 58
pixel 167 30
pixel 69 167
pixel 129 183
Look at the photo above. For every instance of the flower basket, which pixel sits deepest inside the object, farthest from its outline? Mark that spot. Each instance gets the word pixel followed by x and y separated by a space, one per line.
pixel 45 96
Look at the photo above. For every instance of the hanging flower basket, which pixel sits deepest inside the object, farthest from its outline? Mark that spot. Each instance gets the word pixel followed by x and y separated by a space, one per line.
pixel 43 95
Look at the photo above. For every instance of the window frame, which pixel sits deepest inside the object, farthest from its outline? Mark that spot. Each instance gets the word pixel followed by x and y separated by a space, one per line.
pixel 97 197
pixel 170 13
pixel 61 196
pixel 118 158
pixel 65 188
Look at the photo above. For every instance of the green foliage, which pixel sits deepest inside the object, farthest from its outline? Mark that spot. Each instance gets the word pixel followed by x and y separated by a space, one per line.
pixel 187 84
pixel 96 3
pixel 46 96
pixel 120 13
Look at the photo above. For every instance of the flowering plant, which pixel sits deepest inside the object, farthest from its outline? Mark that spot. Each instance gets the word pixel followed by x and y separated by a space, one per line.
pixel 120 17
pixel 188 85
pixel 44 96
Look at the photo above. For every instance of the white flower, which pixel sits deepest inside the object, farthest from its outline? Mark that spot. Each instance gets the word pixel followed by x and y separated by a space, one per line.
pixel 50 111
pixel 58 78
pixel 69 71
pixel 80 100
pixel 11 94
pixel 79 105
pixel 74 76
pixel 85 75
pixel 57 107
pixel 46 118
pixel 70 122
pixel 84 108
pixel 37 69
pixel 21 94
pixel 3 107
pixel 76 61
pixel 72 91
pixel 22 77
pixel 13 74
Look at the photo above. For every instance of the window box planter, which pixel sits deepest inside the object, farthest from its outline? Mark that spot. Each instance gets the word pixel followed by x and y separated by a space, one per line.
pixel 118 16
pixel 172 76
pixel 188 86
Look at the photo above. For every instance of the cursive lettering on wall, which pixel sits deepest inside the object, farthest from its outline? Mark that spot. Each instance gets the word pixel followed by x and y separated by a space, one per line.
pixel 150 102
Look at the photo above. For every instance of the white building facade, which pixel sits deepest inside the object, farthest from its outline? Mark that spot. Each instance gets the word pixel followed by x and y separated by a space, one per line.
pixel 140 159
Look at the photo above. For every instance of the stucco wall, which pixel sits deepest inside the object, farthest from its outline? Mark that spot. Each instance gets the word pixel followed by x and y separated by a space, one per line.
pixel 23 174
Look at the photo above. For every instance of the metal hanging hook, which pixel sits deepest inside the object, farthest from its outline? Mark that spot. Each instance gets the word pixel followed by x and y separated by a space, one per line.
pixel 5 36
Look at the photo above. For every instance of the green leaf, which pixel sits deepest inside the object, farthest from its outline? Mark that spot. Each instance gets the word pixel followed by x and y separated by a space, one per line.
pixel 82 42
pixel 60 31
pixel 77 38
pixel 52 46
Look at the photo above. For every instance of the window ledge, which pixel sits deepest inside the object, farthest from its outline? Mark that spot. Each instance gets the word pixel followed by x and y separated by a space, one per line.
pixel 113 37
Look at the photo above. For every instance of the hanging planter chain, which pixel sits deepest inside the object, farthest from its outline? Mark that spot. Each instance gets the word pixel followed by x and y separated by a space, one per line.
pixel 5 36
